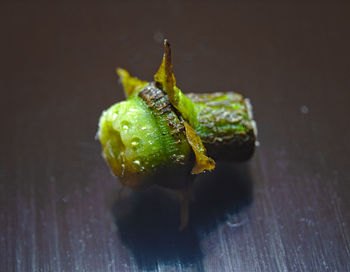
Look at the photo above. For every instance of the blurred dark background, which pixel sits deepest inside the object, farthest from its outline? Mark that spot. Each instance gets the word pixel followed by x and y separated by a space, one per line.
pixel 285 210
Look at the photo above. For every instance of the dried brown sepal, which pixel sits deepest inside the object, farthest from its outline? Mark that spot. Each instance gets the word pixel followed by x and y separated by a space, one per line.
pixel 202 161
pixel 130 83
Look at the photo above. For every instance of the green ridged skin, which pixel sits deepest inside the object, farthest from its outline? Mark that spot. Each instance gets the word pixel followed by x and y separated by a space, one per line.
pixel 138 141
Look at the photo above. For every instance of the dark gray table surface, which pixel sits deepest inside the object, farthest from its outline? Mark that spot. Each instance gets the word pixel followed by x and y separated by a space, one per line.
pixel 287 209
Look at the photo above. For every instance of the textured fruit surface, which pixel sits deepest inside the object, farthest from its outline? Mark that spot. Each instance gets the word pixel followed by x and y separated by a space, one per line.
pixel 141 136
pixel 225 124
pixel 160 130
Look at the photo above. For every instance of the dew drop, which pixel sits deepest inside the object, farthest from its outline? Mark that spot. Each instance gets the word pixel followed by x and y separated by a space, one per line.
pixel 135 142
pixel 125 125
pixel 123 169
pixel 136 162
pixel 178 158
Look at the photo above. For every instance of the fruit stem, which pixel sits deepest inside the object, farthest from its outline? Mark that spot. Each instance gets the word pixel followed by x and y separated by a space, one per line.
pixel 185 196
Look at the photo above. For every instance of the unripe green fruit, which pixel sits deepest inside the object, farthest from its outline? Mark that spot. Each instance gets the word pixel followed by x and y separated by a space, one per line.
pixel 143 136
pixel 159 134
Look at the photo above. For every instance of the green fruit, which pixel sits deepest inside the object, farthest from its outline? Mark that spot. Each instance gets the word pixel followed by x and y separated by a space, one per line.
pixel 159 134
pixel 143 136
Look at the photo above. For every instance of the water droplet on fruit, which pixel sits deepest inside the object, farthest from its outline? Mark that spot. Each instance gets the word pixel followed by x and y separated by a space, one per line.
pixel 135 142
pixel 178 158
pixel 125 125
pixel 181 157
pixel 136 162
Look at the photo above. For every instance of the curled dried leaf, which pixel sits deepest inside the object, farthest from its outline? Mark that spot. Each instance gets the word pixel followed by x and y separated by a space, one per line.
pixel 202 161
pixel 130 83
